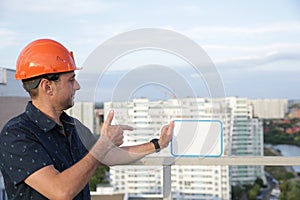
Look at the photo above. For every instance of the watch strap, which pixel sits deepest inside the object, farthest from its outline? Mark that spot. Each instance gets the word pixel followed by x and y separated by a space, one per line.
pixel 156 145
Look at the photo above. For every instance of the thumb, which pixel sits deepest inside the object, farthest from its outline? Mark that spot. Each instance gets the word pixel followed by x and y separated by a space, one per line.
pixel 171 127
pixel 109 118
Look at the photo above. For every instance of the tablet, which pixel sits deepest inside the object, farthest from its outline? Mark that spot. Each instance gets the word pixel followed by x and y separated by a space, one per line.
pixel 197 138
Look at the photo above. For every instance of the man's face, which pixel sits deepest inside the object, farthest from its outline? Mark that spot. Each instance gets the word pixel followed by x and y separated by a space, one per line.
pixel 66 87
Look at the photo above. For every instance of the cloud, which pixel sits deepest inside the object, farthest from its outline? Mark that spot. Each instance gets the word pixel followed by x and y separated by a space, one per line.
pixel 253 62
pixel 7 38
pixel 121 85
pixel 245 30
pixel 253 48
pixel 65 7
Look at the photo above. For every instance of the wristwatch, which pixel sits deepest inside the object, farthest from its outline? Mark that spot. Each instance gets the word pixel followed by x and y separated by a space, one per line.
pixel 156 145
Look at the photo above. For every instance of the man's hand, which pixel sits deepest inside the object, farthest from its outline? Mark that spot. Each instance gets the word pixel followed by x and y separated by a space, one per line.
pixel 113 133
pixel 166 135
pixel 111 137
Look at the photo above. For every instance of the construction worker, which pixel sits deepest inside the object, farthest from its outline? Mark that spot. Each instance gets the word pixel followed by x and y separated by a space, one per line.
pixel 43 155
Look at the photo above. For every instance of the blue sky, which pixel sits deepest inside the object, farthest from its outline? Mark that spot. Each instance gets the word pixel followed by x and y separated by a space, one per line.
pixel 255 45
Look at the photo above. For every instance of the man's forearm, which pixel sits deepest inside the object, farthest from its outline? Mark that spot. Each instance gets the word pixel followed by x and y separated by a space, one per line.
pixel 127 154
pixel 79 175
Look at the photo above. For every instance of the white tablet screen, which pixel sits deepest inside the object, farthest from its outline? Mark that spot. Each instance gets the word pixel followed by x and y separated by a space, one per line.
pixel 200 138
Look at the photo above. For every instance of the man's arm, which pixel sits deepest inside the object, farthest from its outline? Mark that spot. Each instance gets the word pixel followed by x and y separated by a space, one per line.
pixel 63 185
pixel 128 154
pixel 67 184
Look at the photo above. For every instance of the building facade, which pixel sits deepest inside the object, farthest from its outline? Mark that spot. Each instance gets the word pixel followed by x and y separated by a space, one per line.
pixel 269 108
pixel 246 139
pixel 242 136
pixel 10 87
pixel 188 182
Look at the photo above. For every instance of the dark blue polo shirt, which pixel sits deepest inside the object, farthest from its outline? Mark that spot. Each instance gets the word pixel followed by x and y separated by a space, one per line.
pixel 32 141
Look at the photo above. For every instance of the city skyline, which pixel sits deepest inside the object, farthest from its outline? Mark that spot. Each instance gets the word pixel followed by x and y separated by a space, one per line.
pixel 254 45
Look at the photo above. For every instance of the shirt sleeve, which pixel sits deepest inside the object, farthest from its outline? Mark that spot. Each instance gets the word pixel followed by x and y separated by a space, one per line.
pixel 87 138
pixel 22 153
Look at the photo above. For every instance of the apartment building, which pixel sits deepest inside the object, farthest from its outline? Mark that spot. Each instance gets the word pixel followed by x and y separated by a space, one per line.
pixel 269 108
pixel 246 139
pixel 188 182
pixel 9 87
pixel 242 136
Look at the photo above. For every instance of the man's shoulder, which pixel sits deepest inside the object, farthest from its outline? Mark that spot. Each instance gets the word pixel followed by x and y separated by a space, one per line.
pixel 15 122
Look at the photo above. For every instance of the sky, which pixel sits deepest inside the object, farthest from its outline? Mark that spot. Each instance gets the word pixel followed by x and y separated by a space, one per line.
pixel 254 45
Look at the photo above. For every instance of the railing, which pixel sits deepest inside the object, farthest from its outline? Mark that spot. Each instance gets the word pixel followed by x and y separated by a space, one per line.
pixel 167 162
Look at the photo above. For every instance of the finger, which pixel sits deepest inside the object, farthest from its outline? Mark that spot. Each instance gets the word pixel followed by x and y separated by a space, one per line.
pixel 126 127
pixel 120 140
pixel 164 128
pixel 109 118
pixel 168 129
pixel 171 127
pixel 119 143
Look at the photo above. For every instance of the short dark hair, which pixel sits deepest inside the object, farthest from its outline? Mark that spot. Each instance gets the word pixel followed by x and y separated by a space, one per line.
pixel 33 83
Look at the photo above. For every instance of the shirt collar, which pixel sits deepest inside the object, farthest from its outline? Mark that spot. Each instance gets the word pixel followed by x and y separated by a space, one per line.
pixel 42 120
pixel 66 119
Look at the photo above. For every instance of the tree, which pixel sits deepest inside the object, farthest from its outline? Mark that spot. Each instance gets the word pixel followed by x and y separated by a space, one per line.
pixel 259 181
pixel 279 172
pixel 290 189
pixel 237 192
pixel 253 192
pixel 98 177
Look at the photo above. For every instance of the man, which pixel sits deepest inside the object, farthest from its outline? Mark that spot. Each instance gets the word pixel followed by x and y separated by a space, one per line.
pixel 43 155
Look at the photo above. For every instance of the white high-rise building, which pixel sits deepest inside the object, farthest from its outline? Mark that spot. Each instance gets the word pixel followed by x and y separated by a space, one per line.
pixel 246 139
pixel 192 182
pixel 270 108
pixel 242 136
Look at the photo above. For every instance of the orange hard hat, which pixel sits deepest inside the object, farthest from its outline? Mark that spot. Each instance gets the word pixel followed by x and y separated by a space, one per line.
pixel 44 56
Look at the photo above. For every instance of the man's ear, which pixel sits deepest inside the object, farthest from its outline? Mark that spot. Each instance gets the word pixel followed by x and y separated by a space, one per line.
pixel 46 86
